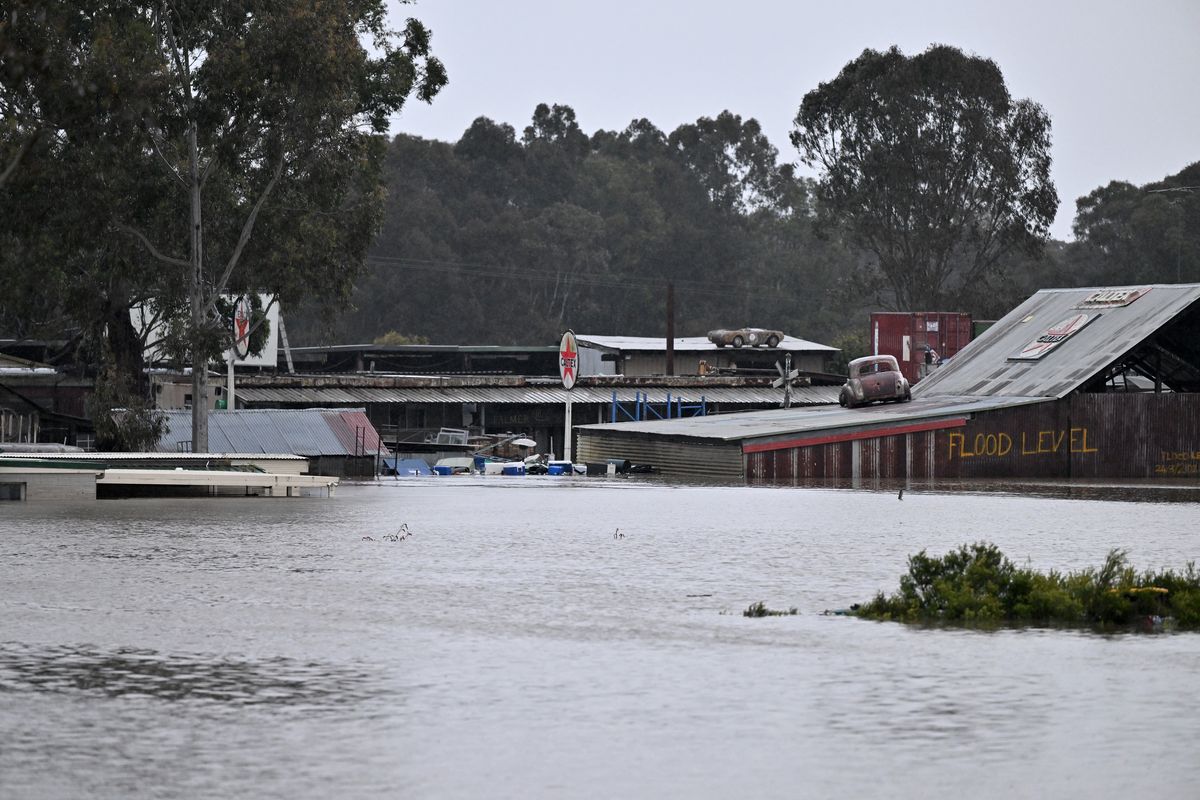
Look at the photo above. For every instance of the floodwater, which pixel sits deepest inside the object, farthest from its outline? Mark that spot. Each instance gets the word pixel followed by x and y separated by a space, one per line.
pixel 510 646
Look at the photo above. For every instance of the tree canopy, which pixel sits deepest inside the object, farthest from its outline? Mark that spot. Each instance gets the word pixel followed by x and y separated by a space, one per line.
pixel 232 146
pixel 930 166
pixel 509 238
pixel 1142 234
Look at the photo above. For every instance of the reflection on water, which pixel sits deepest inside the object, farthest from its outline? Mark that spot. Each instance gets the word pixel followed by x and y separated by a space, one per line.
pixel 129 671
pixel 1147 491
pixel 512 647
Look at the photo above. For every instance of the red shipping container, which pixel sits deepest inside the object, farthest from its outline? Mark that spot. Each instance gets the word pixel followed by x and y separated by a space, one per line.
pixel 907 334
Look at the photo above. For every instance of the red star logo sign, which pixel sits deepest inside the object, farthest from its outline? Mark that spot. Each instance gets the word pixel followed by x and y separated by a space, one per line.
pixel 568 360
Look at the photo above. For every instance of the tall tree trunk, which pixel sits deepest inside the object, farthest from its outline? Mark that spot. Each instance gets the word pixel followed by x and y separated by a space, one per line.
pixel 125 349
pixel 199 356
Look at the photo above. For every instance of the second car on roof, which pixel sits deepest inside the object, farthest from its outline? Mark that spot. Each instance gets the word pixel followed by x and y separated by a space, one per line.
pixel 742 336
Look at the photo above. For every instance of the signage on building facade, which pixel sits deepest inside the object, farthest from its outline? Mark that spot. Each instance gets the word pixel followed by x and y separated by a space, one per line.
pixel 1113 298
pixel 1053 336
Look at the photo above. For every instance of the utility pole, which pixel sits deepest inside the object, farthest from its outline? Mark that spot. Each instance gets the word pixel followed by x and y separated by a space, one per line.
pixel 670 328
pixel 199 357
pixel 1179 243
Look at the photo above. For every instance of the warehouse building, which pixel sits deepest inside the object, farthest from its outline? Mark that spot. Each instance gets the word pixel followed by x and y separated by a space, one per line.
pixel 1073 383
pixel 412 393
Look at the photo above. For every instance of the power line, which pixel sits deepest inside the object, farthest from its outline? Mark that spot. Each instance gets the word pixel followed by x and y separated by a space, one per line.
pixel 499 272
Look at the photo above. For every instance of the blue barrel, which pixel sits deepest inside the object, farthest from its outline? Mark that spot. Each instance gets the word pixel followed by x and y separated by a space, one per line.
pixel 443 470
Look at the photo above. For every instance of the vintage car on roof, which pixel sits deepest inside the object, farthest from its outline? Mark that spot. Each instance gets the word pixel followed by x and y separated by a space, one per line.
pixel 874 378
pixel 740 336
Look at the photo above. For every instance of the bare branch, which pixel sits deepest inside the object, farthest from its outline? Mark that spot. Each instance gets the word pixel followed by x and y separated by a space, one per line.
pixel 154 251
pixel 247 229
pixel 171 168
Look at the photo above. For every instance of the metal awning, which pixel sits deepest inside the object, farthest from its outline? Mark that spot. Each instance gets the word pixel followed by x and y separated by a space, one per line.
pixel 749 395
pixel 791 422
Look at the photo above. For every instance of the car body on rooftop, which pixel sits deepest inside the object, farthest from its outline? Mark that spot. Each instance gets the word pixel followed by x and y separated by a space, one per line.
pixel 872 379
pixel 743 336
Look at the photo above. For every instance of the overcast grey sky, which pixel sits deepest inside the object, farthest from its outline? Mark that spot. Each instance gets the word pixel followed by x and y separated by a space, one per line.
pixel 1119 78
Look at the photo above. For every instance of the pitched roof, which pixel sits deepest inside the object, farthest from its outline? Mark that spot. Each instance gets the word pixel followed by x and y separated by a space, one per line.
pixel 1057 340
pixel 306 432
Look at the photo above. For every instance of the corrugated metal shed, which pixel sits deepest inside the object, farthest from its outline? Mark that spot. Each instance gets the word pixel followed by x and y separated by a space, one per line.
pixel 988 367
pixel 802 395
pixel 305 432
pixel 689 343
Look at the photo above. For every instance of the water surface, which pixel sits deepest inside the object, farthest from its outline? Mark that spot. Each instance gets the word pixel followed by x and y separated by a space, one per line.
pixel 512 647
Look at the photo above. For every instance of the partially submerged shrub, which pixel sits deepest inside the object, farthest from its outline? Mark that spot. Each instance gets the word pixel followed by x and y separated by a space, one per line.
pixel 760 610
pixel 978 584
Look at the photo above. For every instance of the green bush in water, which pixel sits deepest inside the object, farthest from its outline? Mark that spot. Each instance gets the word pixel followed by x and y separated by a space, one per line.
pixel 978 584
pixel 759 609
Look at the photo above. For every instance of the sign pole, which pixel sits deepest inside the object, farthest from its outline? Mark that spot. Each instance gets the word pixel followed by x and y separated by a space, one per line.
pixel 230 402
pixel 567 431
pixel 568 370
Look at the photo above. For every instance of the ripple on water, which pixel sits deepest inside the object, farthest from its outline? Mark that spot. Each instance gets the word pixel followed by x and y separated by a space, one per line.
pixel 91 671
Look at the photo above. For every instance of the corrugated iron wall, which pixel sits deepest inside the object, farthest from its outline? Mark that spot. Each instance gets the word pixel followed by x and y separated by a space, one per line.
pixel 946 332
pixel 1083 436
pixel 671 456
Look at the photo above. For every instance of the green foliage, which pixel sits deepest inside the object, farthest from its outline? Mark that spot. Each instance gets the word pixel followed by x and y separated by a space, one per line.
pixel 1141 234
pixel 977 584
pixel 123 415
pixel 260 324
pixel 395 338
pixel 528 234
pixel 929 165
pixel 760 609
pixel 851 344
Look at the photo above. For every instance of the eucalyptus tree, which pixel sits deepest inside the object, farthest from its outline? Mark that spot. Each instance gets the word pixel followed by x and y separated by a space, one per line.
pixel 734 161
pixel 218 145
pixel 1148 234
pixel 272 115
pixel 931 166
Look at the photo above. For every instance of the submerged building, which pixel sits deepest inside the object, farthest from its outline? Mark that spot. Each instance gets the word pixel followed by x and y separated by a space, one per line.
pixel 1073 383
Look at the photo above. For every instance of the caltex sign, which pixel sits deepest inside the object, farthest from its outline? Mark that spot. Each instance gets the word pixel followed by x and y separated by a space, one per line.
pixel 568 360
pixel 1053 336
pixel 242 315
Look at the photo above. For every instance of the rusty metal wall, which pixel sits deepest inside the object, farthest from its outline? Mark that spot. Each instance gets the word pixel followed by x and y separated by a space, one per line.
pixel 952 332
pixel 1139 435
pixel 1083 436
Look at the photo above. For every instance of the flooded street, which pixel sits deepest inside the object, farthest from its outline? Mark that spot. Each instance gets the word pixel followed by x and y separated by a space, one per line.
pixel 512 647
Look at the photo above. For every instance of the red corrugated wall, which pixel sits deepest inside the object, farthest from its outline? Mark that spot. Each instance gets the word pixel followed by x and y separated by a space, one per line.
pixel 1138 435
pixel 946 331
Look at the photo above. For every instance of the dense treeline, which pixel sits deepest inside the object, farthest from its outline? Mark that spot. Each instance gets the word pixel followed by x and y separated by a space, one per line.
pixel 505 238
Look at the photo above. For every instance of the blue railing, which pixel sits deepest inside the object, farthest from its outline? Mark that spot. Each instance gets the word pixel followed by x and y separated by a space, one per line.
pixel 643 408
